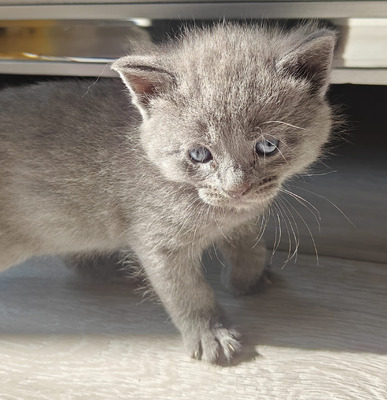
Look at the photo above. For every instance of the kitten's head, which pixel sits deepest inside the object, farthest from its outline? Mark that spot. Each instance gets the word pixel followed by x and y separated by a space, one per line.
pixel 234 111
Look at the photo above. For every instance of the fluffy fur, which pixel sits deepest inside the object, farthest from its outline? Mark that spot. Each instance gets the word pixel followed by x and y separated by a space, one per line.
pixel 88 169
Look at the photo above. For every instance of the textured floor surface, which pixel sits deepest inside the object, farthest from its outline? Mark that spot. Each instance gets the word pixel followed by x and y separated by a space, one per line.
pixel 316 332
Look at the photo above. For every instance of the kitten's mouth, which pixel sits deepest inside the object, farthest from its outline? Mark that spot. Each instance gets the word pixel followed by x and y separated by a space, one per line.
pixel 260 196
pixel 265 190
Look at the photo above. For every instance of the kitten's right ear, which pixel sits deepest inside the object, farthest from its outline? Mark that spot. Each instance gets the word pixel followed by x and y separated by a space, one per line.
pixel 144 78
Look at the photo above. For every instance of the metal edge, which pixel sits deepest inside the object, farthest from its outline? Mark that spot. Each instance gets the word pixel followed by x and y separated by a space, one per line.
pixel 246 10
pixel 366 76
pixel 359 76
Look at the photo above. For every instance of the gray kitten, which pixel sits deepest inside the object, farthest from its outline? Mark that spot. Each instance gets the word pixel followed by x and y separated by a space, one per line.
pixel 219 120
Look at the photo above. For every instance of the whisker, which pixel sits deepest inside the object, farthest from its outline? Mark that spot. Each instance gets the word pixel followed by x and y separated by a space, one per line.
pixel 285 123
pixel 277 146
pixel 278 237
pixel 320 174
pixel 277 138
pixel 305 204
pixel 325 198
pixel 218 258
pixel 284 158
pixel 222 233
pixel 263 226
pixel 288 231
pixel 275 234
pixel 308 228
pixel 296 231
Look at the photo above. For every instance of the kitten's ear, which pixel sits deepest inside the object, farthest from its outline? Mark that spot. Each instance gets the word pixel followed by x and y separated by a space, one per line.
pixel 312 60
pixel 144 78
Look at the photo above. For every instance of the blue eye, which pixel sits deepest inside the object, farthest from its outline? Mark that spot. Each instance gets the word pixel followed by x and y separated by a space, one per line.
pixel 267 147
pixel 200 155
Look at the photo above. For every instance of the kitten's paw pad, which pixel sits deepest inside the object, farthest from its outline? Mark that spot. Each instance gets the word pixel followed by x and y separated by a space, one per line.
pixel 215 343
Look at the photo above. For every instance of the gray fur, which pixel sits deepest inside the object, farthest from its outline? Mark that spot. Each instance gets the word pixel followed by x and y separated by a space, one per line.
pixel 84 172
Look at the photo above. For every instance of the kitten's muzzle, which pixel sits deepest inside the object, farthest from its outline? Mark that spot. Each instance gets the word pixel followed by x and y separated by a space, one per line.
pixel 238 191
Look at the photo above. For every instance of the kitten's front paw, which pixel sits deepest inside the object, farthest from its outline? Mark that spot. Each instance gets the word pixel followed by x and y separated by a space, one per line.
pixel 213 343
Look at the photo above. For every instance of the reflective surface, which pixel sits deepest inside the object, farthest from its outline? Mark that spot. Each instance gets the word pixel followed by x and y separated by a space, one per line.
pixel 85 47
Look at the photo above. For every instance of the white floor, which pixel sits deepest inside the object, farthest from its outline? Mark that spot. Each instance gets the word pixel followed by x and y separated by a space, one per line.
pixel 314 333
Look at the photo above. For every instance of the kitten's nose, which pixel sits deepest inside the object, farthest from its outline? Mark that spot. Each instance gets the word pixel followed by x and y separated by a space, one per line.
pixel 239 191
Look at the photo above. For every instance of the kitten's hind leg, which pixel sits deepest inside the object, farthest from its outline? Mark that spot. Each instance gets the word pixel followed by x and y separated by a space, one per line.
pixel 244 259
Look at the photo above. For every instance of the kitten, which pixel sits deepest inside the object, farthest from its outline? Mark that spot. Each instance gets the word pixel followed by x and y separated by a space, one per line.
pixel 213 126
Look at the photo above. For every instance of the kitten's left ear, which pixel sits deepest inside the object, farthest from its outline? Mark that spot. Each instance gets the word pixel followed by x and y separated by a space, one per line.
pixel 144 78
pixel 312 60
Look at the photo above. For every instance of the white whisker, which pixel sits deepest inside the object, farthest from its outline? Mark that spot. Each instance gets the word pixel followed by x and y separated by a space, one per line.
pixel 222 233
pixel 284 144
pixel 295 232
pixel 325 198
pixel 320 174
pixel 308 229
pixel 288 231
pixel 305 204
pixel 278 237
pixel 263 225
pixel 285 123
pixel 218 258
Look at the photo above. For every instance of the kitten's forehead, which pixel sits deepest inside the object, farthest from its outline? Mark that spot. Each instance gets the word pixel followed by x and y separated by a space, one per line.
pixel 242 106
pixel 231 81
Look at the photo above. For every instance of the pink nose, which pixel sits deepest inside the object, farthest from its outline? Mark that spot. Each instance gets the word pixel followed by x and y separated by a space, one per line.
pixel 238 191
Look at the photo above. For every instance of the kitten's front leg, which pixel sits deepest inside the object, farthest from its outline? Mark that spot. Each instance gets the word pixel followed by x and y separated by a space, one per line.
pixel 179 282
pixel 245 260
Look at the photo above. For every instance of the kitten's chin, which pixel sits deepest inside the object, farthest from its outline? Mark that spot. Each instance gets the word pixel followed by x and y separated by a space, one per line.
pixel 216 199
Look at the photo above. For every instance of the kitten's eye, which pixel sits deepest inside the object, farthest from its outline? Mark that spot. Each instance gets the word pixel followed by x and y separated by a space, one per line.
pixel 200 155
pixel 267 147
